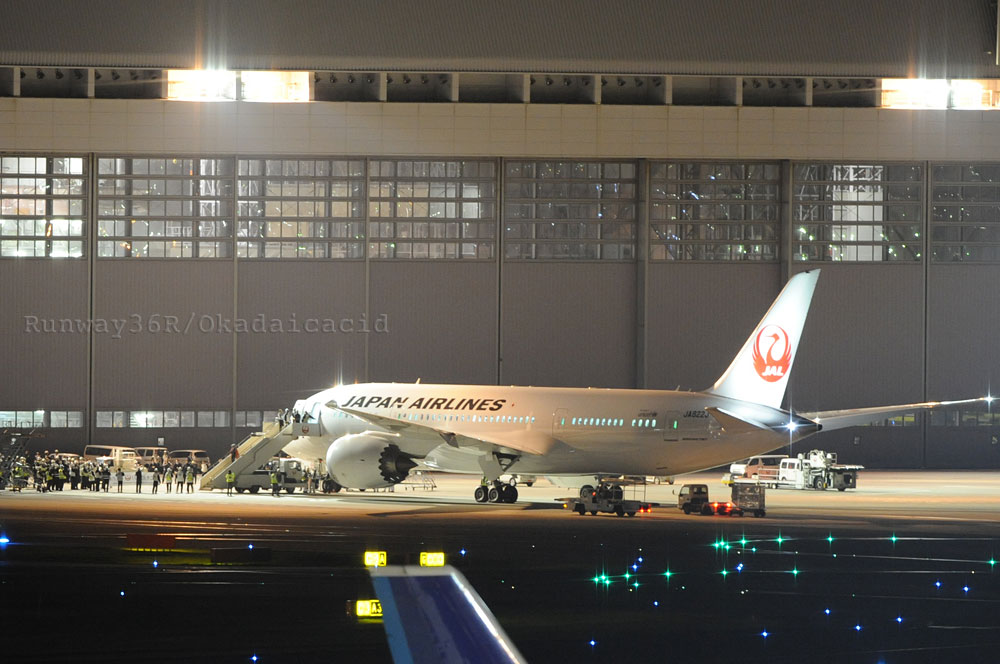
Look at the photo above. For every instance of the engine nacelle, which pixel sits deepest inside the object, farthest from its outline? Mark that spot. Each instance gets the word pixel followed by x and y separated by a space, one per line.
pixel 367 460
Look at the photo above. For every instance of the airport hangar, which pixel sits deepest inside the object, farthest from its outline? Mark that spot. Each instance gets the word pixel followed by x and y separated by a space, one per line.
pixel 523 194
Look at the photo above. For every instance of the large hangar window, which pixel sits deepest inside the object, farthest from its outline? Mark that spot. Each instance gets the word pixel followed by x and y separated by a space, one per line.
pixel 43 206
pixel 301 208
pixel 575 210
pixel 164 207
pixel 965 213
pixel 857 212
pixel 432 209
pixel 714 211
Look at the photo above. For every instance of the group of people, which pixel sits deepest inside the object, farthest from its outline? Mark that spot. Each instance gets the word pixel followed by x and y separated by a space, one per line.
pixel 47 471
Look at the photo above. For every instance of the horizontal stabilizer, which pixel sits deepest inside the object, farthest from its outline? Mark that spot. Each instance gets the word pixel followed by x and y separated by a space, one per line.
pixel 852 417
pixel 435 616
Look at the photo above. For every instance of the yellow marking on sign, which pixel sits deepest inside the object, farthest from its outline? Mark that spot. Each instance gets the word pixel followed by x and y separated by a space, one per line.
pixel 375 559
pixel 431 559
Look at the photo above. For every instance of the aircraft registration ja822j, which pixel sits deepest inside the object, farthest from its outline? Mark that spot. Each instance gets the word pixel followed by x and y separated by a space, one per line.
pixel 373 434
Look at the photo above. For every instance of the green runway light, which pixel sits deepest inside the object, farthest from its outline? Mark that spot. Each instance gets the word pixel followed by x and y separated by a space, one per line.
pixel 627 576
pixel 795 571
pixel 668 574
pixel 992 562
pixel 779 539
pixel 724 573
pixel 743 541
pixel 635 585
pixel 829 539
pixel 893 538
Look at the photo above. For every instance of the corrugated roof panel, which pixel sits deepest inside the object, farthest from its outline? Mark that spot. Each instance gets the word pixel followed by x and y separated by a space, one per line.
pixel 754 37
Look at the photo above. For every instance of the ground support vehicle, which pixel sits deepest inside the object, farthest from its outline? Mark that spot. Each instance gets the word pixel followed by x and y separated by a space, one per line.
pixel 608 498
pixel 290 476
pixel 748 497
pixel 815 470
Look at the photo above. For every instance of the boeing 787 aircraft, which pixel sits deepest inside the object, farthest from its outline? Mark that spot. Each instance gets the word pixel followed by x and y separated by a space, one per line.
pixel 373 434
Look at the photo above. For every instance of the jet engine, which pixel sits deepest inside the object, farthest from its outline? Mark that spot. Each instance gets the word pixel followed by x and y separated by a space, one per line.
pixel 367 460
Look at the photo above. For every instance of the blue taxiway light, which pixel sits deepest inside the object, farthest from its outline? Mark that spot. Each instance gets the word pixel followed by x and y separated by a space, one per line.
pixel 122 593
pixel 249 546
pixel 640 559
pixel 462 552
pixel 764 633
pixel 655 603
pixel 937 583
pixel 899 619
pixel 4 539
pixel 965 588
pixel 254 658
pixel 156 564
pixel 857 628
pixel 826 611
pixel 593 643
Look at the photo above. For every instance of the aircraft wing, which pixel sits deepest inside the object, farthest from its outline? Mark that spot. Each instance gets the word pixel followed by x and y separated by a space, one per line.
pixel 841 419
pixel 433 615
pixel 515 442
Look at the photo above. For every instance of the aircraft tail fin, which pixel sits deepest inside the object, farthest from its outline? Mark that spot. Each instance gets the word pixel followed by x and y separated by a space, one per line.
pixel 760 372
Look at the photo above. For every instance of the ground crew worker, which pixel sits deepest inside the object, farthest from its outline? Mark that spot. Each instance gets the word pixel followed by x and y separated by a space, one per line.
pixel 230 481
pixel 190 479
pixel 274 483
pixel 156 479
pixel 138 479
pixel 168 477
pixel 180 478
pixel 120 475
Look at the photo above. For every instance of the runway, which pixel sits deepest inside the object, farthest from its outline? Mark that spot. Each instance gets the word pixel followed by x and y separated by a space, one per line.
pixel 863 554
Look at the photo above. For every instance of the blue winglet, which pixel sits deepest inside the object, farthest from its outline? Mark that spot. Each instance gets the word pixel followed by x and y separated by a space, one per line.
pixel 434 616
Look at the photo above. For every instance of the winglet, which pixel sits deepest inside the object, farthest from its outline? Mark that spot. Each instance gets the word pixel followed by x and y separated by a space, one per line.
pixel 434 615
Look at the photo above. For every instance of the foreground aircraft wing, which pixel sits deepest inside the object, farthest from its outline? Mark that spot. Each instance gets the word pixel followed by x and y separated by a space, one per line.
pixel 433 615
pixel 520 442
pixel 841 419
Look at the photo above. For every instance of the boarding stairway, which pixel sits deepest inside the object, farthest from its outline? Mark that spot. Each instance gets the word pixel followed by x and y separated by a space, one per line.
pixel 255 450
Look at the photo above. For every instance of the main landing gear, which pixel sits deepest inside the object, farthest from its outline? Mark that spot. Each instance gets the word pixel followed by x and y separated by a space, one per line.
pixel 499 492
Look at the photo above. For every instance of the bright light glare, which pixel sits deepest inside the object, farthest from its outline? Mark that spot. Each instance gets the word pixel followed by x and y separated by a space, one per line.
pixel 201 85
pixel 792 426
pixel 914 93
pixel 275 86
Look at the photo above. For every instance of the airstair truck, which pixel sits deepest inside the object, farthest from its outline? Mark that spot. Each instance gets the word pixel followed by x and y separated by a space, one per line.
pixel 815 470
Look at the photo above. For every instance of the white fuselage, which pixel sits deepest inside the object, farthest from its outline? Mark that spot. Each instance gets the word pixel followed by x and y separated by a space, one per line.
pixel 589 431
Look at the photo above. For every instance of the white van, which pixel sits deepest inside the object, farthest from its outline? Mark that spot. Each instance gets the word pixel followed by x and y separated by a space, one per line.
pixel 184 456
pixel 149 455
pixel 116 455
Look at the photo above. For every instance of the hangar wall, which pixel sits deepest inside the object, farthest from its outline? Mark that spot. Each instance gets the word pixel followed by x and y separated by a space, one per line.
pixel 879 333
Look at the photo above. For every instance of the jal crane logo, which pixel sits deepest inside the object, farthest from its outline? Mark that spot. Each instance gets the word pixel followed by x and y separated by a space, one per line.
pixel 772 353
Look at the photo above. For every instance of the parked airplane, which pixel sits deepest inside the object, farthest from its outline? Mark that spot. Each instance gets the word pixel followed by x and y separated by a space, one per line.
pixel 372 434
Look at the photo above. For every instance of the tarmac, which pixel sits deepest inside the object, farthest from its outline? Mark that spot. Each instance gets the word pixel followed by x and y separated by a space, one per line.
pixel 674 583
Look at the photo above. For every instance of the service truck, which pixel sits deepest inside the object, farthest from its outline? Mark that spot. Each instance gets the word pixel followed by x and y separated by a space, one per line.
pixel 607 497
pixel 290 476
pixel 815 470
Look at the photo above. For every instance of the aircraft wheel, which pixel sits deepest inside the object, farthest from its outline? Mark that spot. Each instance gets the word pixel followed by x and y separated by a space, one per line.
pixel 512 481
pixel 586 491
pixel 493 496
pixel 510 495
pixel 481 495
